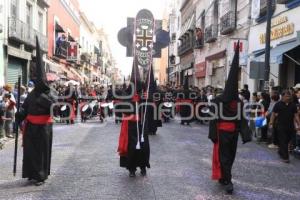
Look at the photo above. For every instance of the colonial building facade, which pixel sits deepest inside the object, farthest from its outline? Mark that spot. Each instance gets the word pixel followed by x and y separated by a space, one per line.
pixel 285 45
pixel 219 25
pixel 21 20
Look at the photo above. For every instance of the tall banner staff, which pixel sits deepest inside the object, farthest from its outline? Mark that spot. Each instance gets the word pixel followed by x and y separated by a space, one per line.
pixel 148 83
pixel 17 128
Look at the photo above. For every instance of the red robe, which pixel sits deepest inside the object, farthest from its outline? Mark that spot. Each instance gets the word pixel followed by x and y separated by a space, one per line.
pixel 216 165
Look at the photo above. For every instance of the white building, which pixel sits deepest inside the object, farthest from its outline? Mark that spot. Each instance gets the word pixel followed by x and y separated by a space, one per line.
pixel 107 58
pixel 285 44
pixel 219 24
pixel 90 50
pixel 21 21
pixel 174 29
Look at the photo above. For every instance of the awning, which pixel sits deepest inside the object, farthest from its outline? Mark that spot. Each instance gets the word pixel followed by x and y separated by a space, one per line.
pixel 53 67
pixel 77 74
pixel 52 77
pixel 58 28
pixel 62 76
pixel 95 74
pixel 70 75
pixel 277 52
pixel 189 25
pixel 84 76
pixel 70 38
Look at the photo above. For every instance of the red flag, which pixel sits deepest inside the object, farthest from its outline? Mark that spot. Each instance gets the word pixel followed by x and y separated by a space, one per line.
pixel 216 165
pixel 123 139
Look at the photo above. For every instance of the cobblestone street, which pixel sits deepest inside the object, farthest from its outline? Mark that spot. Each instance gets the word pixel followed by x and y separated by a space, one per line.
pixel 85 165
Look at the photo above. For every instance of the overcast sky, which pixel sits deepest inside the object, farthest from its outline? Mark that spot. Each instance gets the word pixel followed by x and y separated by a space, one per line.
pixel 112 16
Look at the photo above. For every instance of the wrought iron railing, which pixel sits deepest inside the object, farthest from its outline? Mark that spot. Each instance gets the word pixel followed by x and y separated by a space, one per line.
pixel 228 23
pixel 23 33
pixel 211 33
pixel 187 44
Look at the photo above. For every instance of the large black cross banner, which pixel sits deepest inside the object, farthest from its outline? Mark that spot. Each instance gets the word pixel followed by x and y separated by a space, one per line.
pixel 143 36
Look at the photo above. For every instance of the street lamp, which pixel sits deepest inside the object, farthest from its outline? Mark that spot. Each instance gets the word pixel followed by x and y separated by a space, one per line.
pixel 267 47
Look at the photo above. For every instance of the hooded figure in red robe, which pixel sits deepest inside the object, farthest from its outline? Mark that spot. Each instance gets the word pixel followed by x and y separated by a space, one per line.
pixel 224 130
pixel 37 131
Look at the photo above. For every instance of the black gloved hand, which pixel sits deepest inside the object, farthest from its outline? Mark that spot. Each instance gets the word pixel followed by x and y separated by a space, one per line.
pixel 214 141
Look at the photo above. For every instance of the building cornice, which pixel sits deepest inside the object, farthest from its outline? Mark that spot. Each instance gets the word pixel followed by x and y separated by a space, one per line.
pixel 74 15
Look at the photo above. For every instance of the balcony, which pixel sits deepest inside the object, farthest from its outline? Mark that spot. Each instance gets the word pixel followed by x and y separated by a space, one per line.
pixel 172 59
pixel 43 3
pixel 283 1
pixel 173 36
pixel 228 23
pixel 21 32
pixel 85 58
pixel 187 45
pixel 263 6
pixel 211 33
pixel 198 44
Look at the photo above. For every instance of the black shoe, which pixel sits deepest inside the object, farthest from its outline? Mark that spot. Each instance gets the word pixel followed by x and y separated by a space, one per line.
pixel 229 188
pixel 39 183
pixel 223 182
pixel 143 172
pixel 131 174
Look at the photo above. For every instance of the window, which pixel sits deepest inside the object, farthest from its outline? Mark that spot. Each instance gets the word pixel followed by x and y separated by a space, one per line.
pixel 40 22
pixel 216 13
pixel 29 14
pixel 14 8
pixel 82 42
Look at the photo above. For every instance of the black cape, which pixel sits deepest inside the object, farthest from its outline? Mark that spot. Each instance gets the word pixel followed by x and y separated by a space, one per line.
pixel 37 139
pixel 135 157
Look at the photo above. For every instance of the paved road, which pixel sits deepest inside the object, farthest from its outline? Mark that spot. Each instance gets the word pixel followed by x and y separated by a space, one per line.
pixel 85 165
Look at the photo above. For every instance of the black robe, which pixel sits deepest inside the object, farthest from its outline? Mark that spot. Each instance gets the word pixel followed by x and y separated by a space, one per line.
pixel 152 117
pixel 225 141
pixel 186 109
pixel 135 157
pixel 37 139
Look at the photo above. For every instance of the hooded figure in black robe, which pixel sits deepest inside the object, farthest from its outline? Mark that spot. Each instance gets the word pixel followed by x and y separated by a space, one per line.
pixel 186 104
pixel 151 116
pixel 37 130
pixel 134 148
pixel 224 130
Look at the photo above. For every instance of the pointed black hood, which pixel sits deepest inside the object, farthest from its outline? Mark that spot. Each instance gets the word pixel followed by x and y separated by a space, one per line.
pixel 231 92
pixel 135 78
pixel 152 82
pixel 186 83
pixel 124 83
pixel 41 84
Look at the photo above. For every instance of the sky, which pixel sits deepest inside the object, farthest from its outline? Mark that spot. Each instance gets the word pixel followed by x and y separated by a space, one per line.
pixel 112 16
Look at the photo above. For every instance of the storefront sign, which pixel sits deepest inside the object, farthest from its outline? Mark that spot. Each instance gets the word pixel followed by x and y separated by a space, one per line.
pixel 279 20
pixel 280 29
pixel 72 51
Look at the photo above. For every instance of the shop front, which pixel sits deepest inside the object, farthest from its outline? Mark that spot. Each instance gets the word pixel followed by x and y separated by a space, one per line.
pixel 284 54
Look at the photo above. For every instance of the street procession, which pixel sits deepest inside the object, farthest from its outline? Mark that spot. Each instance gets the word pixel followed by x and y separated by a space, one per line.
pixel 139 99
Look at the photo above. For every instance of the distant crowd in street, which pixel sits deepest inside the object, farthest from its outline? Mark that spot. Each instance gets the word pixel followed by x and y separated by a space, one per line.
pixel 274 125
